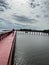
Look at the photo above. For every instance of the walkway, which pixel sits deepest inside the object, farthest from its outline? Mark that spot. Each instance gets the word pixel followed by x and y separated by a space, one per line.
pixel 6 46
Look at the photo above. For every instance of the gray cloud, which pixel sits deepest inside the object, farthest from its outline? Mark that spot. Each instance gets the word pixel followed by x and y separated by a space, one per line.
pixel 24 19
pixel 1 9
pixel 38 16
pixel 46 16
pixel 3 5
pixel 33 3
pixel 38 12
pixel 5 24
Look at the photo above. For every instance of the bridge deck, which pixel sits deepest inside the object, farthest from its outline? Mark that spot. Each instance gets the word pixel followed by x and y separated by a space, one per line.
pixel 5 49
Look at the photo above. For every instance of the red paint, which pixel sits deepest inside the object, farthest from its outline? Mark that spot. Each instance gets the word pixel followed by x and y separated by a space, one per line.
pixel 6 49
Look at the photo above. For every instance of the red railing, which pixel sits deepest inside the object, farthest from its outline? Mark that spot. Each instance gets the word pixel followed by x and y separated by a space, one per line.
pixel 9 46
pixel 12 49
pixel 3 35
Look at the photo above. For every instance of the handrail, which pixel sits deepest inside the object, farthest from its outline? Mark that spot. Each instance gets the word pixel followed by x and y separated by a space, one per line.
pixel 12 49
pixel 3 35
pixel 6 52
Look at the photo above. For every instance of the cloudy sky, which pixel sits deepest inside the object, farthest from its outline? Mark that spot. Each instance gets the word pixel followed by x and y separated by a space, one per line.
pixel 30 14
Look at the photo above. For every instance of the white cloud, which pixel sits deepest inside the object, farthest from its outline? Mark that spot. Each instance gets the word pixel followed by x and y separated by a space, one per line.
pixel 23 8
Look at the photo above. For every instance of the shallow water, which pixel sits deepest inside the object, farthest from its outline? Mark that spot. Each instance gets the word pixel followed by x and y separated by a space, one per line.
pixel 31 49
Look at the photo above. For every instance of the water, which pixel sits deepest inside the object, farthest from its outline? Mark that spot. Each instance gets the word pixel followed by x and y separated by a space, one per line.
pixel 31 49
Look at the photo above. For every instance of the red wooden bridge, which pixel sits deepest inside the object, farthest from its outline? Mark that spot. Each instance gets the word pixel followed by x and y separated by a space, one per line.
pixel 7 41
pixel 7 47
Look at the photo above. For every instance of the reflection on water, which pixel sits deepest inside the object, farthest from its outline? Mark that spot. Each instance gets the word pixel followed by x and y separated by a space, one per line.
pixel 31 49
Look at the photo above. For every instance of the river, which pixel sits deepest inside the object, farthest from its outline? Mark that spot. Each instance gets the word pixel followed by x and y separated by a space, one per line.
pixel 31 49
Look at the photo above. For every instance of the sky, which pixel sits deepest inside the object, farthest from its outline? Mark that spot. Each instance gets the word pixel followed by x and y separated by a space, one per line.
pixel 28 14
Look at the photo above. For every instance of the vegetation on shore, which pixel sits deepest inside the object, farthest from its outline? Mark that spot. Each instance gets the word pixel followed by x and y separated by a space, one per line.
pixel 45 31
